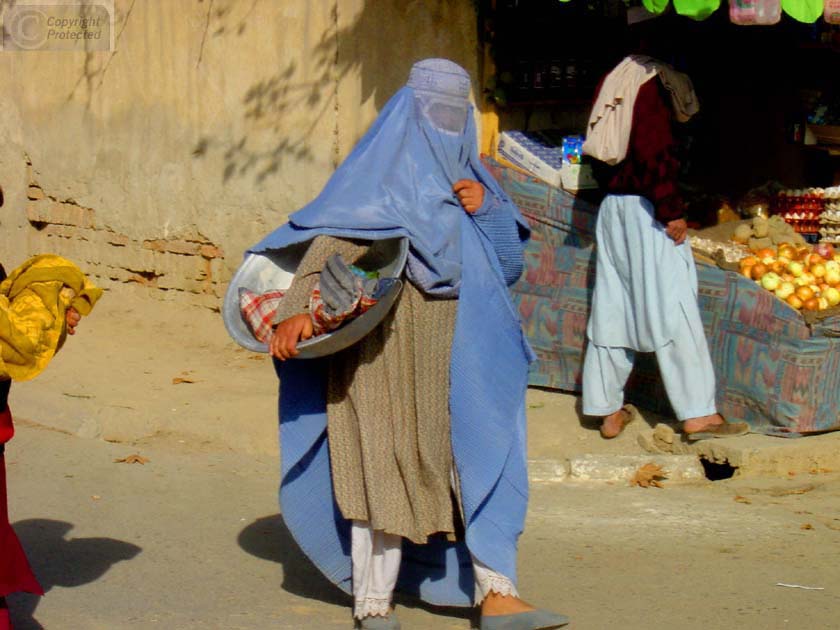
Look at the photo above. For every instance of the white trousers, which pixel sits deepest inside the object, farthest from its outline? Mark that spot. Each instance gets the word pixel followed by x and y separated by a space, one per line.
pixel 376 563
pixel 685 366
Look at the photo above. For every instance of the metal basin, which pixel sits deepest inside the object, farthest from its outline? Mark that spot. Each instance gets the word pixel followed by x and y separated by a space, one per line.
pixel 275 270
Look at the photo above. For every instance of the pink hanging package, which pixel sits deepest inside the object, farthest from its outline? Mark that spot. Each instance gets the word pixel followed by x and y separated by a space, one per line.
pixel 831 14
pixel 747 12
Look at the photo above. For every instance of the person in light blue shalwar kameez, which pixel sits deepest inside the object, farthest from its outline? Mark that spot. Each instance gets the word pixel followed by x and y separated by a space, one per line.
pixel 645 296
pixel 645 300
pixel 414 174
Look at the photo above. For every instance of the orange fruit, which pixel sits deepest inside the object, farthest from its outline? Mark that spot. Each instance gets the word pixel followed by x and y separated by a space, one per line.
pixel 811 304
pixel 748 261
pixel 794 301
pixel 804 293
pixel 758 270
pixel 813 259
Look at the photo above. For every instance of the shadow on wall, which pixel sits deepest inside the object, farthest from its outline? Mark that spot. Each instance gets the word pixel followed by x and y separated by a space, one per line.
pixel 364 46
pixel 59 561
pixel 95 65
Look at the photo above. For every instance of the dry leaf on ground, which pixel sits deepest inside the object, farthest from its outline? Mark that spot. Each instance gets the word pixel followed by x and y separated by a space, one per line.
pixel 806 526
pixel 649 475
pixel 783 492
pixel 741 499
pixel 182 379
pixel 132 459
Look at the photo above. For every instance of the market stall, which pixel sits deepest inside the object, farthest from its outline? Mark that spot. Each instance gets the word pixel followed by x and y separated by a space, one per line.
pixel 775 371
pixel 764 140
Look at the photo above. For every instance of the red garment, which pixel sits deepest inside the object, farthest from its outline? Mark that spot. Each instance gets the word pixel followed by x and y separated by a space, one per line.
pixel 651 167
pixel 7 429
pixel 15 573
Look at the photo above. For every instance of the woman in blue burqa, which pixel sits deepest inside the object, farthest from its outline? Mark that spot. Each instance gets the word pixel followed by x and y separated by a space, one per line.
pixel 403 456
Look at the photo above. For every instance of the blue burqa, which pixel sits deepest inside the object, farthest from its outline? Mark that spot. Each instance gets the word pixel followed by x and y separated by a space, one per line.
pixel 398 181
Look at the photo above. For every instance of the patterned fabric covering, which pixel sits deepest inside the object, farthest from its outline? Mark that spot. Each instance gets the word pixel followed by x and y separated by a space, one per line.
pixel 323 321
pixel 258 311
pixel 773 371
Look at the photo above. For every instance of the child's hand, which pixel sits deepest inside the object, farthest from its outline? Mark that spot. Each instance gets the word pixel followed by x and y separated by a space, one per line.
pixel 72 318
pixel 288 333
pixel 470 193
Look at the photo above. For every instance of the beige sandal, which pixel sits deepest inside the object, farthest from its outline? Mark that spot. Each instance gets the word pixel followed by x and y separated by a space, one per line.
pixel 723 430
pixel 630 413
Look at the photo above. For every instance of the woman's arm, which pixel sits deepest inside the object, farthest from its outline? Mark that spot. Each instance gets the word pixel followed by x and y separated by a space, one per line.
pixel 497 223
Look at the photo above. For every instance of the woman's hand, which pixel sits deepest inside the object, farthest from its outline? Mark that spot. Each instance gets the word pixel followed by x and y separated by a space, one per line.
pixel 287 334
pixel 470 193
pixel 72 318
pixel 677 230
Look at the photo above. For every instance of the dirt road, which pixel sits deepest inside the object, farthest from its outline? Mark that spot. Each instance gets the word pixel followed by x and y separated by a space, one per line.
pixel 192 539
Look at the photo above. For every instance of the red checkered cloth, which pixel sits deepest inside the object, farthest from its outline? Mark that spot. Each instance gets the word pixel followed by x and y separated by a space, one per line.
pixel 324 322
pixel 258 311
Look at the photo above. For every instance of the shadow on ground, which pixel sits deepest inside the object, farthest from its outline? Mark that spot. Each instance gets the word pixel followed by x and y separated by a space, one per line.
pixel 61 561
pixel 269 538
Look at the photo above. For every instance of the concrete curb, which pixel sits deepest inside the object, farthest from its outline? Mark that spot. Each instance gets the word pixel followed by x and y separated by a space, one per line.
pixel 547 470
pixel 612 468
pixel 753 454
pixel 678 468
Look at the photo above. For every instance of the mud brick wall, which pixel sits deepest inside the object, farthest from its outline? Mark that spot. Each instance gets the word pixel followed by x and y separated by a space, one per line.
pixel 190 264
pixel 158 163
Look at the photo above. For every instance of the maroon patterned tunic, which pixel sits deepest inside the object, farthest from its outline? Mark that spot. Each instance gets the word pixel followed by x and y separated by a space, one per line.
pixel 651 167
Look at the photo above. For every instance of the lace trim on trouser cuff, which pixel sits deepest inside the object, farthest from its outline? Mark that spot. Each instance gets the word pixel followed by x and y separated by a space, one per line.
pixel 372 607
pixel 490 582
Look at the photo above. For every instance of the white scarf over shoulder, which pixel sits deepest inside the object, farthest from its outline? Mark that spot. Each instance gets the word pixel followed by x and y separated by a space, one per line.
pixel 611 120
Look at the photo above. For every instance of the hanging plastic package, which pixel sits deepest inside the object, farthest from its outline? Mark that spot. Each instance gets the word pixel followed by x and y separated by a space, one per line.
pixel 831 13
pixel 746 12
pixel 805 11
pixel 696 9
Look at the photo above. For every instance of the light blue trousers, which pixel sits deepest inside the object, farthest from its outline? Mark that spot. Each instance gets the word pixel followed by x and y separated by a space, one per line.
pixel 685 366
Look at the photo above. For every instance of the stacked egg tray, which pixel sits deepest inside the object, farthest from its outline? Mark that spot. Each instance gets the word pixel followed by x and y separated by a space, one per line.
pixel 830 220
pixel 805 209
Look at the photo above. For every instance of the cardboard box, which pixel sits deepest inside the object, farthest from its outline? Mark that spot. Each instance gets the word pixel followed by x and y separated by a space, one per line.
pixel 540 153
pixel 534 152
pixel 577 177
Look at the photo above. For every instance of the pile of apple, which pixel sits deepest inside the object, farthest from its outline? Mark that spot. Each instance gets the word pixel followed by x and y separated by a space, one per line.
pixel 805 278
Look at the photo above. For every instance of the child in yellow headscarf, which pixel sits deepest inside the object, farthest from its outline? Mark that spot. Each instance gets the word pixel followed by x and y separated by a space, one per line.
pixel 41 302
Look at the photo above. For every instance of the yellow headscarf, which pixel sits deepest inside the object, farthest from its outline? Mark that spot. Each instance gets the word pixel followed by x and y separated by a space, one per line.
pixel 33 302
